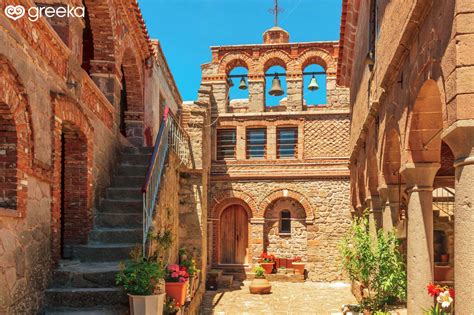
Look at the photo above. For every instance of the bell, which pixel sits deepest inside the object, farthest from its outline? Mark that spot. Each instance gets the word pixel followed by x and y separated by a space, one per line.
pixel 243 84
pixel 313 84
pixel 276 89
pixel 230 83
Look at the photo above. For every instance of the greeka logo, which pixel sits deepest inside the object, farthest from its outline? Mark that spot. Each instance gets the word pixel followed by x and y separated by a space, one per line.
pixel 34 13
pixel 14 12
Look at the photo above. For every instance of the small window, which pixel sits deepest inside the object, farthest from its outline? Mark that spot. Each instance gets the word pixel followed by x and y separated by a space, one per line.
pixel 285 222
pixel 256 143
pixel 287 143
pixel 226 141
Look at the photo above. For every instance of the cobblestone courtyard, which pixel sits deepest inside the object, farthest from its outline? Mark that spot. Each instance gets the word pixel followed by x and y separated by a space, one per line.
pixel 286 299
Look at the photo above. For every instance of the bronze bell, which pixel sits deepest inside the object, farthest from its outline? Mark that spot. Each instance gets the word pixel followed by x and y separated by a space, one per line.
pixel 243 84
pixel 313 84
pixel 230 83
pixel 276 89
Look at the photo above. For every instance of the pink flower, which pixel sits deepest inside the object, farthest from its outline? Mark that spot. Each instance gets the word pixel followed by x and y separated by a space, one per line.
pixel 182 279
pixel 173 267
pixel 174 274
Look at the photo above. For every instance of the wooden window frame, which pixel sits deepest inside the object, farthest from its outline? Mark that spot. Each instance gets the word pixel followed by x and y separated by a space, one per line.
pixel 219 145
pixel 288 219
pixel 295 144
pixel 247 145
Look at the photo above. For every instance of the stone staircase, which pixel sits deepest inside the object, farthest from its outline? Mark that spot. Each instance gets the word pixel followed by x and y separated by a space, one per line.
pixel 86 284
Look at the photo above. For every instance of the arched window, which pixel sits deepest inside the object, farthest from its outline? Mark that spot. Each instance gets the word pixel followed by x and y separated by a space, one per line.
pixel 275 72
pixel 314 94
pixel 285 222
pixel 87 44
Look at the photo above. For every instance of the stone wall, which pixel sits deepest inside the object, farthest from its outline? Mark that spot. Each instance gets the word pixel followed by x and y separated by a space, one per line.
pixel 327 217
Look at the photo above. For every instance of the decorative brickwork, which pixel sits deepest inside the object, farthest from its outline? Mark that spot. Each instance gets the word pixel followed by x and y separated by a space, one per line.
pixel 320 140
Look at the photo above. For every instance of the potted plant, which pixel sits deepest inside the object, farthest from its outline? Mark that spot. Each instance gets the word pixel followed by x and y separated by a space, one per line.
pixel 260 285
pixel 189 262
pixel 298 265
pixel 171 306
pixel 267 262
pixel 142 278
pixel 176 283
pixel 444 258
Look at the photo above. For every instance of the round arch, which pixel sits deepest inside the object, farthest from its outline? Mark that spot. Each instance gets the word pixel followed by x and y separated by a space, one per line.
pixel 233 60
pixel 231 197
pixel 275 58
pixel 285 193
pixel 317 56
pixel 15 116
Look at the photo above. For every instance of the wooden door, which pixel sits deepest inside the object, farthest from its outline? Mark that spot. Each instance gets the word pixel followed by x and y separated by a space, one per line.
pixel 234 235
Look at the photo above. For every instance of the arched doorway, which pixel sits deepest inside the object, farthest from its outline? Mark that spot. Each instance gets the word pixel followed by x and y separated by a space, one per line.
pixel 234 235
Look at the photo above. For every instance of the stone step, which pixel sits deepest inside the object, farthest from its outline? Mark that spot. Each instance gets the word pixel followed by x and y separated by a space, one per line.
pixel 102 252
pixel 132 170
pixel 135 150
pixel 119 220
pixel 121 206
pixel 135 159
pixel 225 281
pixel 85 297
pixel 124 193
pixel 111 310
pixel 128 181
pixel 76 274
pixel 118 235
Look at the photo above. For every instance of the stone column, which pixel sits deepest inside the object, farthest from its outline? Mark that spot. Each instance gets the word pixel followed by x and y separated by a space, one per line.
pixel 419 180
pixel 375 214
pixel 294 93
pixel 256 239
pixel 460 138
pixel 390 202
pixel 256 95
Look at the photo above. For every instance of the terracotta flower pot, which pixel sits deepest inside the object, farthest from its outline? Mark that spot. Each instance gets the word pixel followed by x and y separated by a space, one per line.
pixel 177 291
pixel 445 258
pixel 146 304
pixel 289 263
pixel 298 267
pixel 260 286
pixel 268 267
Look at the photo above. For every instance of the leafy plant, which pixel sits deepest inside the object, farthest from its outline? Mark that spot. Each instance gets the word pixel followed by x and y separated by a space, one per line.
pixel 376 263
pixel 444 297
pixel 188 261
pixel 259 272
pixel 140 276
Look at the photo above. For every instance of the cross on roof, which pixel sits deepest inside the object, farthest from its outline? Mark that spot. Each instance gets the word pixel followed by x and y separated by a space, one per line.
pixel 276 10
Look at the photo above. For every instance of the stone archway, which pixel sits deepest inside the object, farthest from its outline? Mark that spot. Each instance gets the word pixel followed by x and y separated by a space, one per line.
pixel 72 177
pixel 16 145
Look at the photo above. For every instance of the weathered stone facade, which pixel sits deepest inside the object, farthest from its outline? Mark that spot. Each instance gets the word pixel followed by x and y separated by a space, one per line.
pixel 412 126
pixel 313 185
pixel 62 99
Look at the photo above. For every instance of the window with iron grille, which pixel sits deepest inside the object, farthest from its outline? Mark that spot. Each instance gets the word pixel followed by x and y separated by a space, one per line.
pixel 256 143
pixel 226 143
pixel 287 142
pixel 285 222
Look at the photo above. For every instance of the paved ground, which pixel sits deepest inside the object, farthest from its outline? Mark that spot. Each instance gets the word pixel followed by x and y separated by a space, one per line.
pixel 286 299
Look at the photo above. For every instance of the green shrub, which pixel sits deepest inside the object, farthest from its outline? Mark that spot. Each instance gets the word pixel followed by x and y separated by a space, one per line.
pixel 376 263
pixel 140 276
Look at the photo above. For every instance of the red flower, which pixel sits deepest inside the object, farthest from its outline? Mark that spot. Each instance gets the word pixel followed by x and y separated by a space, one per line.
pixel 433 290
pixel 451 292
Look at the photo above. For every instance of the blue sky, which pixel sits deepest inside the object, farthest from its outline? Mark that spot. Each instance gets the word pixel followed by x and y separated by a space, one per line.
pixel 187 28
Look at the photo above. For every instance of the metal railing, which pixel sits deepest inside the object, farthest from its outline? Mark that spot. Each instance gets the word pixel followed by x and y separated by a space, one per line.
pixel 170 136
pixel 443 200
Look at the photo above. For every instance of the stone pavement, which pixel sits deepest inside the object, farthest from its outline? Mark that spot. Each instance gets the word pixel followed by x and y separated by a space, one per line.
pixel 286 299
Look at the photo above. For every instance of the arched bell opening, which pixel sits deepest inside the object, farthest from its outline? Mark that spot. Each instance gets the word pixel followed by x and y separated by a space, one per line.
pixel 314 85
pixel 275 87
pixel 237 82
